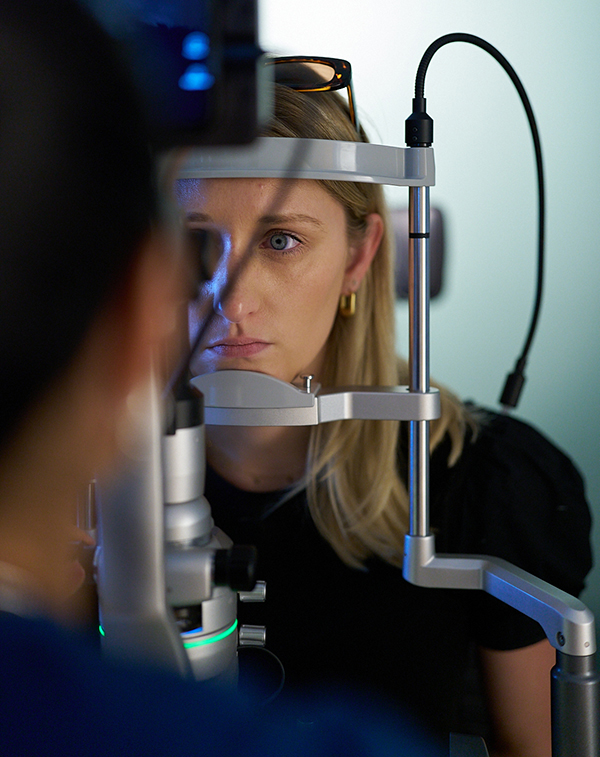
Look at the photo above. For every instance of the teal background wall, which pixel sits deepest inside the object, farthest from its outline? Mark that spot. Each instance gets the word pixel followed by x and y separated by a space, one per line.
pixel 486 187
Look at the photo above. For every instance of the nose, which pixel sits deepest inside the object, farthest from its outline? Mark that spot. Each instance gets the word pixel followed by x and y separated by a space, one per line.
pixel 231 310
pixel 236 295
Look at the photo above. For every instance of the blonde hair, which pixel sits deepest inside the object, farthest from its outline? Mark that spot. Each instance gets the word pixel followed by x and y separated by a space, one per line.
pixel 356 495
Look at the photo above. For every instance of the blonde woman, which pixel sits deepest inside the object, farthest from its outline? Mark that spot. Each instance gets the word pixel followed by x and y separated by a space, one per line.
pixel 327 506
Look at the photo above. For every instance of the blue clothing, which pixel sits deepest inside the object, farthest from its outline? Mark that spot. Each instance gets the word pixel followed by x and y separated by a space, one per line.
pixel 58 698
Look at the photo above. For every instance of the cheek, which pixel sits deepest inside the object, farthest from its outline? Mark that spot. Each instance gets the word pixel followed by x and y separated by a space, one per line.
pixel 327 286
pixel 197 313
pixel 311 306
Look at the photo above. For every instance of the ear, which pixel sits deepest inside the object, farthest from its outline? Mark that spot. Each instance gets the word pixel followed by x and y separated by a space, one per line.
pixel 152 309
pixel 142 322
pixel 362 253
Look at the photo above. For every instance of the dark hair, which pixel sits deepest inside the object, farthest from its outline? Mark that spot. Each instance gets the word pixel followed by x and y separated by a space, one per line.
pixel 76 186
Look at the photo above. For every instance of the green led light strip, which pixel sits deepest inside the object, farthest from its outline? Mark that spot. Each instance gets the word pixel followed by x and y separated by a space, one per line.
pixel 200 642
pixel 212 639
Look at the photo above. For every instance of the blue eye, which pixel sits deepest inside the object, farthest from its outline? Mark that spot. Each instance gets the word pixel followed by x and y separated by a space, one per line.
pixel 281 241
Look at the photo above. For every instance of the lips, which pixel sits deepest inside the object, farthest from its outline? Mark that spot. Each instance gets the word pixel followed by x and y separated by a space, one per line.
pixel 238 347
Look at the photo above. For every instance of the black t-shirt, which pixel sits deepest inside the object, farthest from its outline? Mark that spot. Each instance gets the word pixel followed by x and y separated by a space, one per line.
pixel 512 494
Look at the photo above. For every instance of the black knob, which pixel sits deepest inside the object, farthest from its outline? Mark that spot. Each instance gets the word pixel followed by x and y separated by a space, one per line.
pixel 236 567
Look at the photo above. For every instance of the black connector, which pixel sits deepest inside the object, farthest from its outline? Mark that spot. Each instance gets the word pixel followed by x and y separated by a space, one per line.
pixel 513 386
pixel 418 128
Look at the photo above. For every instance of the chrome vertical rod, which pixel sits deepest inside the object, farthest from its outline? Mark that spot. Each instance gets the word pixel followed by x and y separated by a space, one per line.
pixel 418 305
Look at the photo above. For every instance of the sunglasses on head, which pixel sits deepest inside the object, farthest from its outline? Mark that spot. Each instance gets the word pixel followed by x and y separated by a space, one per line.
pixel 309 74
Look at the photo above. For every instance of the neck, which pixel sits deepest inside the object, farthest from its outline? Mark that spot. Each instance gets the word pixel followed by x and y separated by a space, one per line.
pixel 36 539
pixel 41 479
pixel 258 459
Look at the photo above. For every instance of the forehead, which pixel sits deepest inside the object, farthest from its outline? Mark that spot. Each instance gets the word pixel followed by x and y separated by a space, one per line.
pixel 249 197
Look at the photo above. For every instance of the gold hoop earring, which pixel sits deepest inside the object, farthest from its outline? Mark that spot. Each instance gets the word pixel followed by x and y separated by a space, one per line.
pixel 348 305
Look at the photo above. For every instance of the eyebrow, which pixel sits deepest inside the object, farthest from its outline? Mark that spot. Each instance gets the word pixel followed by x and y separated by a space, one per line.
pixel 196 217
pixel 292 218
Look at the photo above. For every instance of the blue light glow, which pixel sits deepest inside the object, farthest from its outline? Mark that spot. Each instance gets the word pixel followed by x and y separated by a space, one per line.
pixel 196 46
pixel 196 78
pixel 191 633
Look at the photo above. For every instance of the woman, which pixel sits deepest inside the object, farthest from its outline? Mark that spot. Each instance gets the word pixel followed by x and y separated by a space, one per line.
pixel 327 506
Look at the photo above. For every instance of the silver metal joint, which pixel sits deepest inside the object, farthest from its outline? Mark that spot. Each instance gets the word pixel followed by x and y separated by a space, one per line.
pixel 258 593
pixel 252 636
pixel 307 382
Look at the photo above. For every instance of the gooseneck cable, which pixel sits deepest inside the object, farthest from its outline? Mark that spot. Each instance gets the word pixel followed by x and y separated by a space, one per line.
pixel 419 132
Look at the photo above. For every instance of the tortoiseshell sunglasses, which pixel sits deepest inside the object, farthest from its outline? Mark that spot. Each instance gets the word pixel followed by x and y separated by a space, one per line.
pixel 310 74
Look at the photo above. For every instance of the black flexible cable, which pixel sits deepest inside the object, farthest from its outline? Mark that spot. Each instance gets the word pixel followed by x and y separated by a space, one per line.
pixel 515 380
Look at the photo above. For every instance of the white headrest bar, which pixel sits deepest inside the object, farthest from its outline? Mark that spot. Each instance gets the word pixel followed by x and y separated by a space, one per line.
pixel 273 157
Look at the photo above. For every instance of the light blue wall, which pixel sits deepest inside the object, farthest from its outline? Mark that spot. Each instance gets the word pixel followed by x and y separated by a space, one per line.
pixel 485 185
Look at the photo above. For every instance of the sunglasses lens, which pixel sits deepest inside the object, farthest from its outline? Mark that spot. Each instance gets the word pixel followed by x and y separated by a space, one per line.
pixel 309 75
pixel 306 75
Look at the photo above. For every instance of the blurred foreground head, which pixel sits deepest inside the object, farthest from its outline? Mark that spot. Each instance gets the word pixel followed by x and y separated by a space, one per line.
pixel 76 186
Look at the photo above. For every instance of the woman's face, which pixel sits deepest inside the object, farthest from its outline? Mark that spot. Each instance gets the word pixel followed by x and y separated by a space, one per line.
pixel 279 314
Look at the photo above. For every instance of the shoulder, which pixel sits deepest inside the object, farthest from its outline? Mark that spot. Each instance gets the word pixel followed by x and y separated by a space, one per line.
pixel 512 445
pixel 514 494
pixel 83 705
